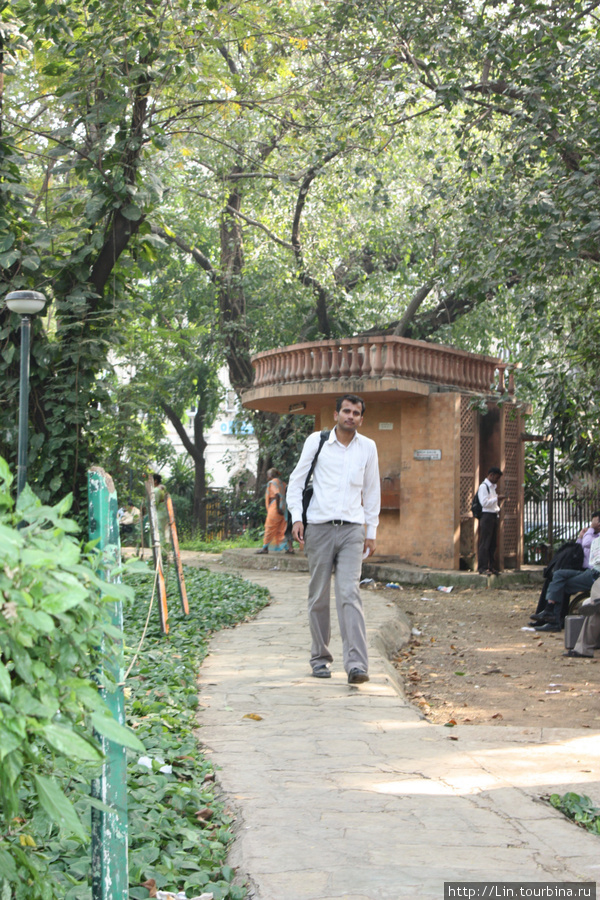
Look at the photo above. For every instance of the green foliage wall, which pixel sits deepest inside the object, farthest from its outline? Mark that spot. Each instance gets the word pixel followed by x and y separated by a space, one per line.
pixel 53 622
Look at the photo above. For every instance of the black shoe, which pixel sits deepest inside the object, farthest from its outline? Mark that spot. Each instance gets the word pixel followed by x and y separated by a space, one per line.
pixel 547 614
pixel 576 655
pixel 549 626
pixel 321 672
pixel 540 618
pixel 357 676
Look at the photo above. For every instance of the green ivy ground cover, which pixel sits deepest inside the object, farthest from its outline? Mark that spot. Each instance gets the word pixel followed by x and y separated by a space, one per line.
pixel 579 808
pixel 178 831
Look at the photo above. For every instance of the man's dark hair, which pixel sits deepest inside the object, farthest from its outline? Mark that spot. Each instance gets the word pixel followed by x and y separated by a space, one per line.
pixel 494 470
pixel 352 398
pixel 157 478
pixel 595 515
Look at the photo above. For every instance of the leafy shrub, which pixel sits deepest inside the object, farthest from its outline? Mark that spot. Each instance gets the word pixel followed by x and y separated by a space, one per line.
pixel 242 541
pixel 579 808
pixel 184 514
pixel 53 620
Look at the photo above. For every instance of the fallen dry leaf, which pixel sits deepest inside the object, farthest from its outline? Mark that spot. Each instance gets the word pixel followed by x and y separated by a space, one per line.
pixel 205 814
pixel 254 716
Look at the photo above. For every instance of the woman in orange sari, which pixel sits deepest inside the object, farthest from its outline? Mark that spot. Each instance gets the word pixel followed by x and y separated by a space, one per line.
pixel 276 521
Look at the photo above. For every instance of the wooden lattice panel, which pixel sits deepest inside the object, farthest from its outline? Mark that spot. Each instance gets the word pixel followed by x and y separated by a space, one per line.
pixel 511 485
pixel 468 450
pixel 467 415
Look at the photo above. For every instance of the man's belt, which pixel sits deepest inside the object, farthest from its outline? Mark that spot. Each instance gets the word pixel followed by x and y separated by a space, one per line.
pixel 342 522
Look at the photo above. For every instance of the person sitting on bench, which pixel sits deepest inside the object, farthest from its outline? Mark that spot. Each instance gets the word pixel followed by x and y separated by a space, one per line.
pixel 572 555
pixel 569 581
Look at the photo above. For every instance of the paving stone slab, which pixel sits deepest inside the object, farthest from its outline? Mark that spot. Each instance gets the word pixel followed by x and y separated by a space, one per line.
pixel 344 792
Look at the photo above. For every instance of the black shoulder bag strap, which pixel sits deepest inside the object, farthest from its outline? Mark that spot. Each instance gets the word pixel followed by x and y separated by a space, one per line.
pixel 307 492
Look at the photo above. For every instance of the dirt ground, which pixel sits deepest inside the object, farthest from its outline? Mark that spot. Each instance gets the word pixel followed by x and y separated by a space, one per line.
pixel 470 661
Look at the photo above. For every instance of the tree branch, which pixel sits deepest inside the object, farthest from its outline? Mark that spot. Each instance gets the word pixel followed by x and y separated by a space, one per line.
pixel 272 235
pixel 179 428
pixel 496 87
pixel 321 294
pixel 196 254
pixel 412 308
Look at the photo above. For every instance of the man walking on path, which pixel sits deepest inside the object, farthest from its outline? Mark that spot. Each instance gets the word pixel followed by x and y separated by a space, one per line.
pixel 346 498
pixel 488 524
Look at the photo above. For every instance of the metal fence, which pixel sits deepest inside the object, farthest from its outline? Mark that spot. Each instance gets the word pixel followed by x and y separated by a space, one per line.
pixel 228 516
pixel 571 513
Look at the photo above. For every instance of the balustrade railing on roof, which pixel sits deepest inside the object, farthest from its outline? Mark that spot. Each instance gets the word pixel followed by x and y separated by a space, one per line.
pixel 377 357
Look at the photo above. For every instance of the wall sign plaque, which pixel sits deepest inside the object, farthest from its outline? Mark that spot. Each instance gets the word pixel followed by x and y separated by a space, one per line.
pixel 427 454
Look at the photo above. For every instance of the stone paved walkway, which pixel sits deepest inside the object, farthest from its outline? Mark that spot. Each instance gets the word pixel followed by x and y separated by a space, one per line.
pixel 344 792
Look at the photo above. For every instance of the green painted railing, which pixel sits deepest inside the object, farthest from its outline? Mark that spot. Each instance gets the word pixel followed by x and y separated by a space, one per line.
pixel 109 828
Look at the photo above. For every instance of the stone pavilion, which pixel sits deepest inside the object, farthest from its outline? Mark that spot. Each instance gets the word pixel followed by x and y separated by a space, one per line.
pixel 440 417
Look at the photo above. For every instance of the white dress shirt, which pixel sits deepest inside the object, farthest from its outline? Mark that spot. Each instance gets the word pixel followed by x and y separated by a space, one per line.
pixel 488 497
pixel 595 554
pixel 345 480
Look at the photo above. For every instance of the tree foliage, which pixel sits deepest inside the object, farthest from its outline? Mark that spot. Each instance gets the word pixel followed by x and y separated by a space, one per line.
pixel 328 169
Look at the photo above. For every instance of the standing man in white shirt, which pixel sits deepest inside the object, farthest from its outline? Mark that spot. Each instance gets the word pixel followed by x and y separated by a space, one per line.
pixel 342 520
pixel 490 501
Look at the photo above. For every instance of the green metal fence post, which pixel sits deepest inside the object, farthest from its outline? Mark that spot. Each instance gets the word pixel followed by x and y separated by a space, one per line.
pixel 109 829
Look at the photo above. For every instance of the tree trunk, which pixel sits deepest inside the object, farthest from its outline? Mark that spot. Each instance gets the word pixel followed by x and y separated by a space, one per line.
pixel 195 449
pixel 262 467
pixel 232 299
pixel 199 505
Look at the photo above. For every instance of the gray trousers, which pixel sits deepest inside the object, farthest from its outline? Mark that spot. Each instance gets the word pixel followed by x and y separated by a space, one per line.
pixel 336 549
pixel 569 581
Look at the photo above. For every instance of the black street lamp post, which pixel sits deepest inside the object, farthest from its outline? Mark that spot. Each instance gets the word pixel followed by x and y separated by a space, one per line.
pixel 26 304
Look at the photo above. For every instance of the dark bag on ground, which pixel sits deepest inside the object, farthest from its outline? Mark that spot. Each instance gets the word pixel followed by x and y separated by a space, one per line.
pixel 307 492
pixel 573 626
